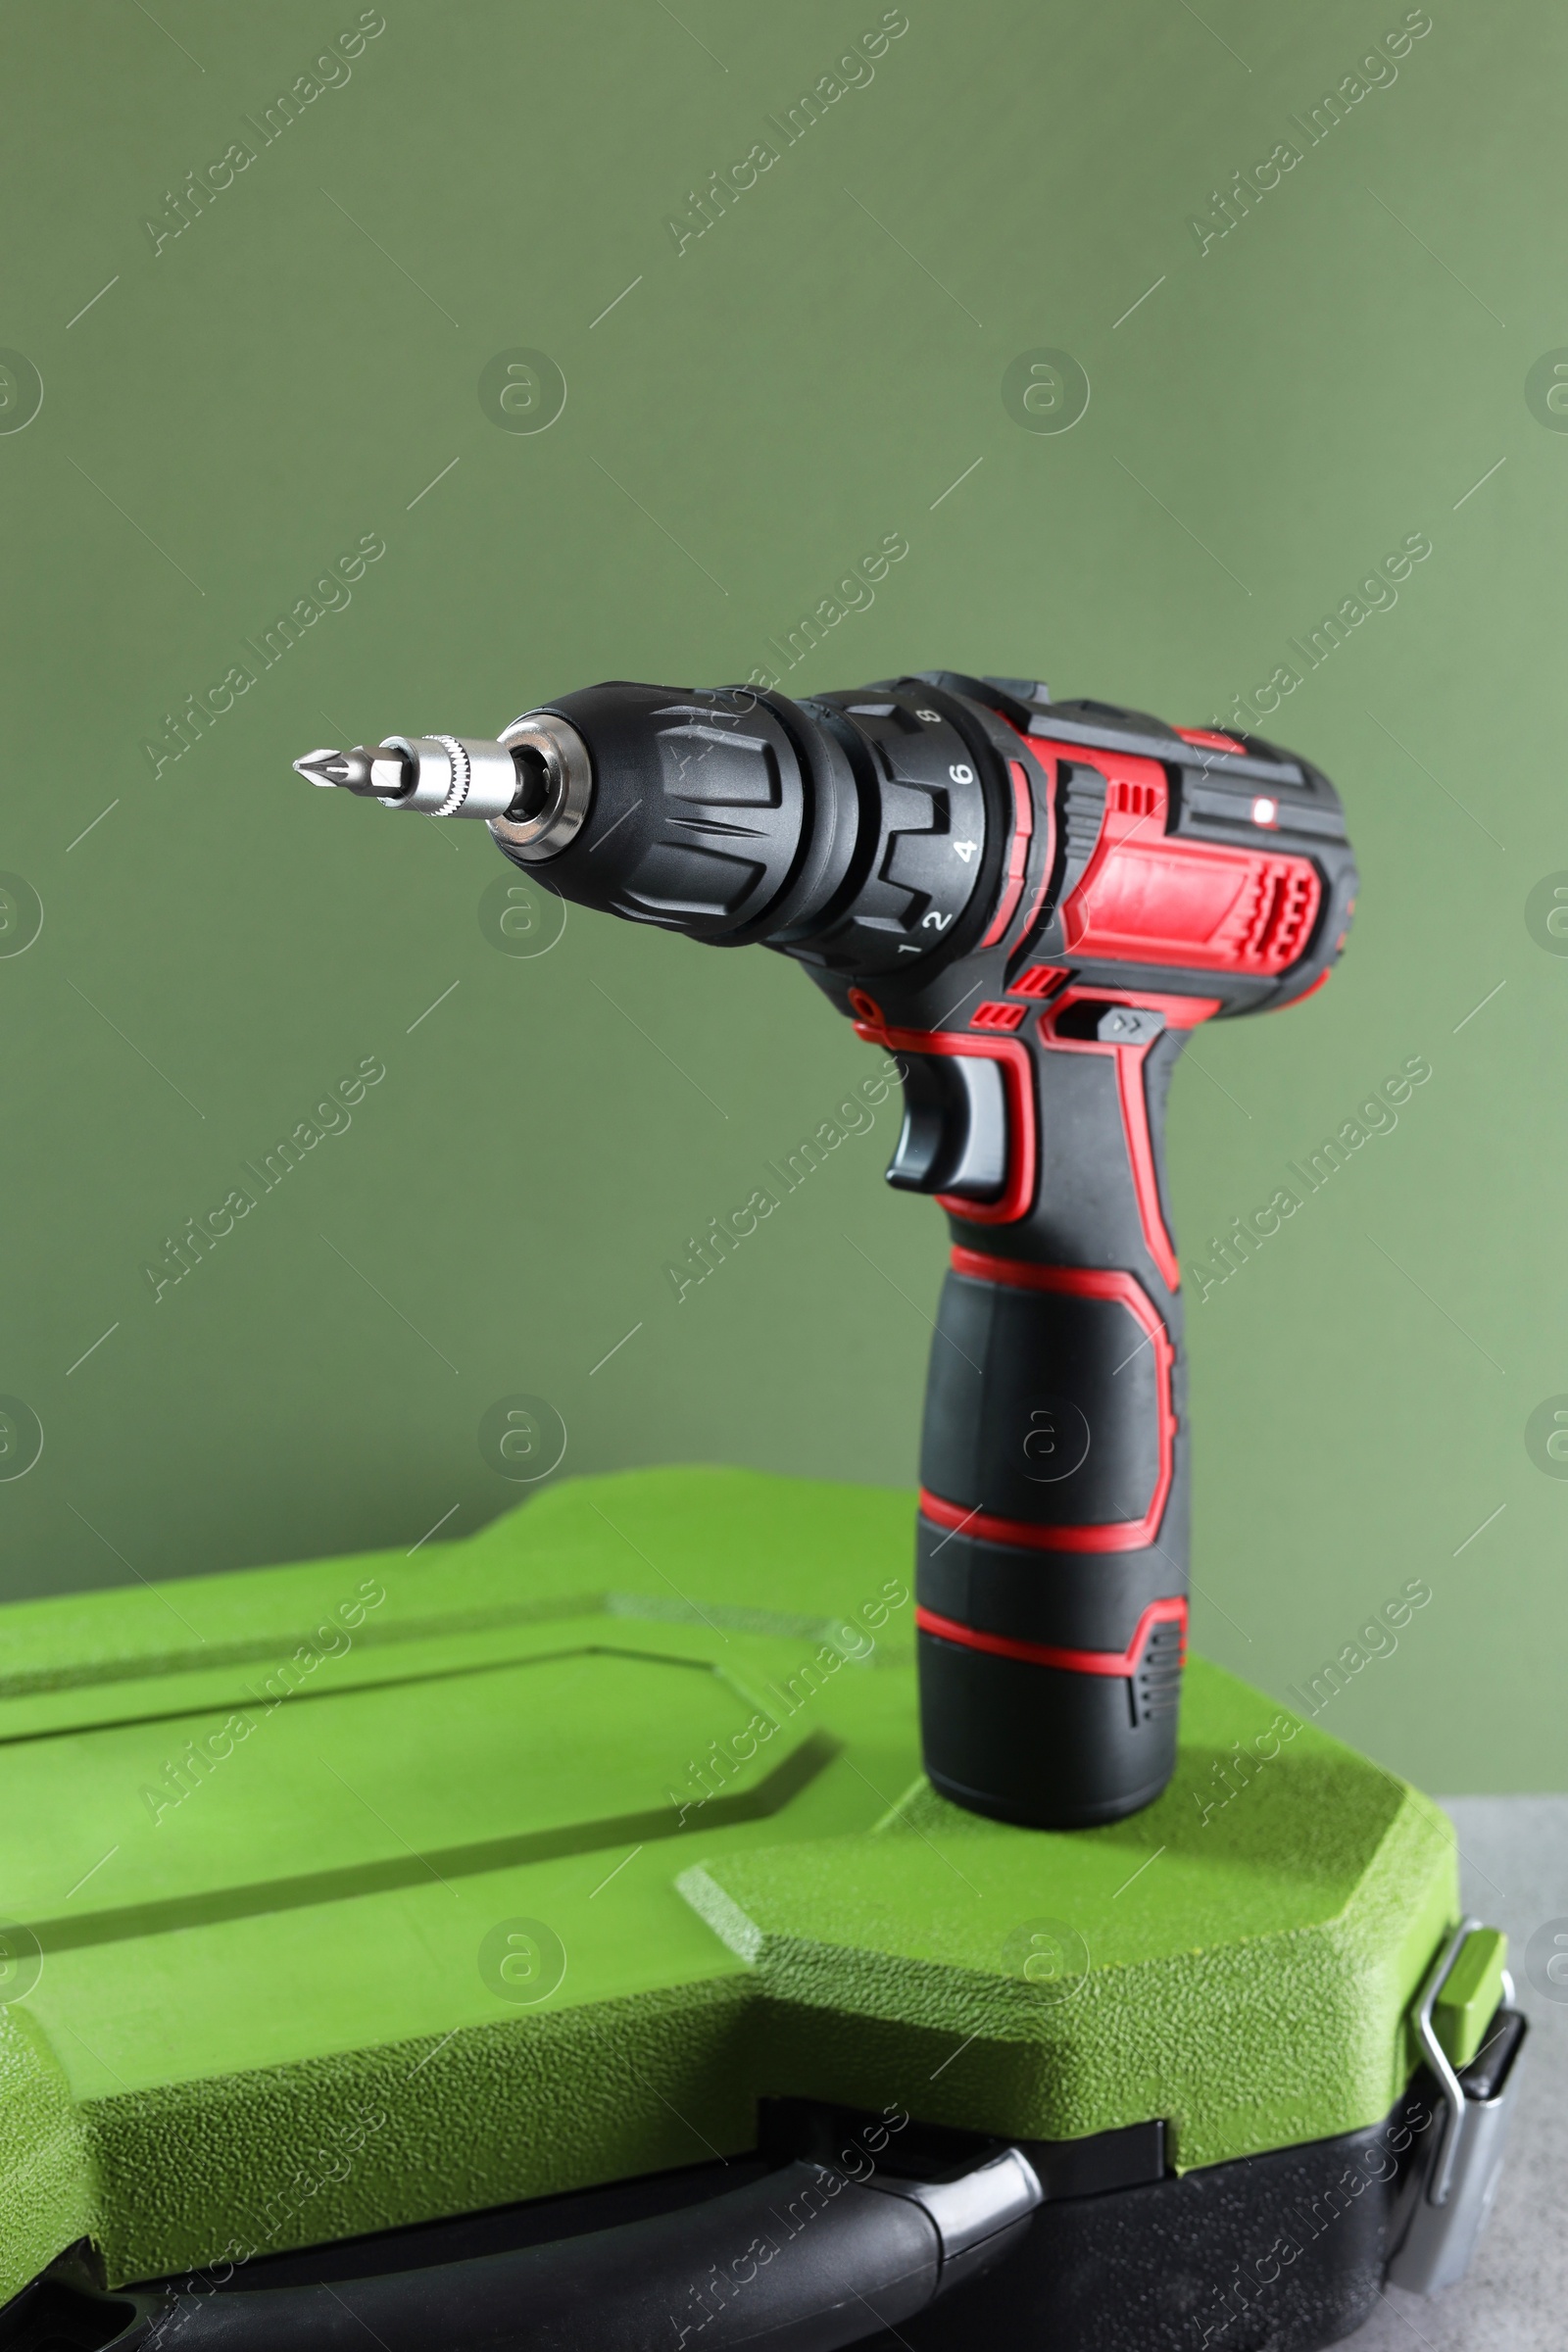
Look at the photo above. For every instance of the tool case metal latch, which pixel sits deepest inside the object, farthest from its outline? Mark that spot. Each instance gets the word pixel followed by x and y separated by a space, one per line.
pixel 1450 2196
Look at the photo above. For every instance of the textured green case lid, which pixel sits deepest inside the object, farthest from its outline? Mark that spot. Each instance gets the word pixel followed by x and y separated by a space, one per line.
pixel 356 1893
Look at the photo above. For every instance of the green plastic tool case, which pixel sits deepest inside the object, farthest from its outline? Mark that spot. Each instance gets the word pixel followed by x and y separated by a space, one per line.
pixel 583 1869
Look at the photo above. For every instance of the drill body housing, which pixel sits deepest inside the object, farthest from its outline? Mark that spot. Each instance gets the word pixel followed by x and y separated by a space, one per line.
pixel 1030 904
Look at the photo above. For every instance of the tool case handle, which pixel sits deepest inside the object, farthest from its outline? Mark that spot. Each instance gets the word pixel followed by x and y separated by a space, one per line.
pixel 803 2258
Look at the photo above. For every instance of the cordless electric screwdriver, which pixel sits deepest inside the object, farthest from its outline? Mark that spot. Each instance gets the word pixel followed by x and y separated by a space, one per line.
pixel 1029 904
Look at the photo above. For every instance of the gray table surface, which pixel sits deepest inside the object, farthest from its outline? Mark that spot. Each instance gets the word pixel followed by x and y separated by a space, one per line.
pixel 1514 1875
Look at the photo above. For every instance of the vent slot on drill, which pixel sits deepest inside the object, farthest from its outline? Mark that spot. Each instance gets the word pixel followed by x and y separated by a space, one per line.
pixel 1127 798
pixel 1285 903
pixel 1039 980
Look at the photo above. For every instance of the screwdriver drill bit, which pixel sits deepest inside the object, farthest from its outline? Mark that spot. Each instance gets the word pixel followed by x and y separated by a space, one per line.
pixel 532 784
pixel 356 771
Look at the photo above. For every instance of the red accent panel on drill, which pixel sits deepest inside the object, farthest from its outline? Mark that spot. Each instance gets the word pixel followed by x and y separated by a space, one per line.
pixel 1023 826
pixel 1121 1663
pixel 1088 1282
pixel 1209 739
pixel 1149 898
pixel 999 1016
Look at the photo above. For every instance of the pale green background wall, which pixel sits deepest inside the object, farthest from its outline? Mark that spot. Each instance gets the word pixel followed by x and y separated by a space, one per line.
pixel 814 373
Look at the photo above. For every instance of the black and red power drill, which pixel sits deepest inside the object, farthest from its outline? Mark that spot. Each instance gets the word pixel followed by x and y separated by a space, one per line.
pixel 1029 904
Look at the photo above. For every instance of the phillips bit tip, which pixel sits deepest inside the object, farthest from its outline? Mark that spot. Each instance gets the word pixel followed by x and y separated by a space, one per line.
pixel 327 768
pixel 369 768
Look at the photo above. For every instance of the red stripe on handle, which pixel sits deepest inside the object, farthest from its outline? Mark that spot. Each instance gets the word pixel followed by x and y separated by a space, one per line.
pixel 1141 1159
pixel 1083 1281
pixel 1181 1012
pixel 1122 1663
pixel 1110 1534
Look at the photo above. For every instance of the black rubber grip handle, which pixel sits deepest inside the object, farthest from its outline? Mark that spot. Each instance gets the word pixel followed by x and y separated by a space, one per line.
pixel 802 2259
pixel 1053 1556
